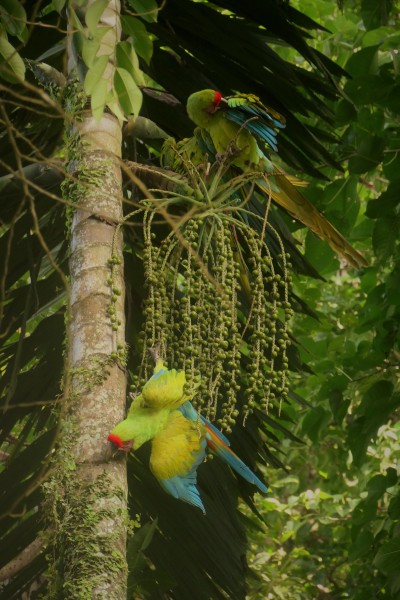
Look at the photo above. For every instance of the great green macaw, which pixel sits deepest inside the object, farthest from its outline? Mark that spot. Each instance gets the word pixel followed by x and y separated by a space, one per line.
pixel 242 126
pixel 179 436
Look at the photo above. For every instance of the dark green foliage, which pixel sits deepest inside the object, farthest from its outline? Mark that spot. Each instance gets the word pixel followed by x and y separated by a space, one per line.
pixel 339 507
pixel 249 65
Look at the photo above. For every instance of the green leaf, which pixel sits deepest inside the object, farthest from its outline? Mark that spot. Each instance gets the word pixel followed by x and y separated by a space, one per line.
pixel 368 89
pixel 129 95
pixel 13 17
pixel 394 508
pixel 90 46
pixel 382 36
pixel 59 5
pixel 320 255
pixel 146 9
pixel 388 557
pixel 364 512
pixel 391 477
pixel 141 39
pixel 94 74
pixel 391 166
pixel 93 14
pixel 338 404
pixel 316 419
pixel 135 558
pixel 362 545
pixel 372 119
pixel 363 62
pixel 369 154
pixel 384 237
pixel 377 485
pixel 378 403
pixel 98 99
pixel 386 204
pixel 392 101
pixel 12 67
pixel 375 12
pixel 345 112
pixel 127 59
pixel 114 106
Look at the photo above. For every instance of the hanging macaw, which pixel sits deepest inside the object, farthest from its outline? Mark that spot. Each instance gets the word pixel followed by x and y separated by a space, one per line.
pixel 179 436
pixel 242 126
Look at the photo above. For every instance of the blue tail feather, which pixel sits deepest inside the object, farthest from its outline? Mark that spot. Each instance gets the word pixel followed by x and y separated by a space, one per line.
pixel 183 487
pixel 227 455
pixel 219 445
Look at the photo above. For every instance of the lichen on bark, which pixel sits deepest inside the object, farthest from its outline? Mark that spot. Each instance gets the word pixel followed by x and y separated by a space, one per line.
pixel 86 495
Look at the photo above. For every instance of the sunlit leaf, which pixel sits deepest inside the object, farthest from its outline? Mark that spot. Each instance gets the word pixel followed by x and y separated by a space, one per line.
pixel 12 67
pixel 141 39
pixel 146 9
pixel 95 73
pixel 93 14
pixel 129 95
pixel 388 557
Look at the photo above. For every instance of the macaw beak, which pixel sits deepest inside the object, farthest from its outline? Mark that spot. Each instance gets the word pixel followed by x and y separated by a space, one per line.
pixel 126 446
pixel 213 108
pixel 119 444
pixel 221 104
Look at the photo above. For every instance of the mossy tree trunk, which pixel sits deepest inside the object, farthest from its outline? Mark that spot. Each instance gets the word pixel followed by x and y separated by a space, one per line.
pixel 88 492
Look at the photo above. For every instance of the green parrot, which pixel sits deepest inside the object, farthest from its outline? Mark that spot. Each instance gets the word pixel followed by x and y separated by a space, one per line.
pixel 242 126
pixel 179 435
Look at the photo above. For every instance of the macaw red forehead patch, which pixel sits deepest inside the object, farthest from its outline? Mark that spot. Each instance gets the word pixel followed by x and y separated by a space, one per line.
pixel 115 440
pixel 217 99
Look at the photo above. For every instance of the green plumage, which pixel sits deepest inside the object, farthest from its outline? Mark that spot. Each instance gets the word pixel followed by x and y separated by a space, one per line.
pixel 163 414
pixel 242 128
pixel 142 423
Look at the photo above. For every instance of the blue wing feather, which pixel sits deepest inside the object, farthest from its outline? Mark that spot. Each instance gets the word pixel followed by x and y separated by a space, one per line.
pixel 219 445
pixel 204 141
pixel 243 107
pixel 261 130
pixel 183 487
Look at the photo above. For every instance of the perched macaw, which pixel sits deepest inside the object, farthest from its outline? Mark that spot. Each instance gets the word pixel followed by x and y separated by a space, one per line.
pixel 242 126
pixel 179 436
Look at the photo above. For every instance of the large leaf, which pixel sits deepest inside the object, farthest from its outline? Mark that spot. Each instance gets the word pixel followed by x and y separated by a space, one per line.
pixel 12 67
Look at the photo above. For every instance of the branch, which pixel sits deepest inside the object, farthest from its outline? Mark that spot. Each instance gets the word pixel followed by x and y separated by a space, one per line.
pixel 4 456
pixel 48 76
pixel 23 559
pixel 156 177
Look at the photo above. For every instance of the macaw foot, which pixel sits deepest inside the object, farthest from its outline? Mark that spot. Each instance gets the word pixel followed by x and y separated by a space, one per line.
pixel 155 352
pixel 126 446
pixel 231 152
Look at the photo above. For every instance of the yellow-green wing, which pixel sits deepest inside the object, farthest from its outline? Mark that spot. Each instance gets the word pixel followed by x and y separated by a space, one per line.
pixel 176 452
pixel 175 449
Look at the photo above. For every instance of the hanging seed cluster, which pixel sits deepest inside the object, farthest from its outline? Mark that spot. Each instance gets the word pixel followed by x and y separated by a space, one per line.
pixel 218 304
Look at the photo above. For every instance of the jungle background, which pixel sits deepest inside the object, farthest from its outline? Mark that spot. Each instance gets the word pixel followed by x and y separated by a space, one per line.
pixel 329 526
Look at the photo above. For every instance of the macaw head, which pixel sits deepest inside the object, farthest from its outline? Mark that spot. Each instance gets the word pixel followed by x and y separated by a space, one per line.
pixel 141 425
pixel 202 105
pixel 119 444
pixel 126 436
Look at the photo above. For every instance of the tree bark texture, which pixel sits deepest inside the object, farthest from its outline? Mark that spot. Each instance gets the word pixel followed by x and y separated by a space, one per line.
pixel 92 522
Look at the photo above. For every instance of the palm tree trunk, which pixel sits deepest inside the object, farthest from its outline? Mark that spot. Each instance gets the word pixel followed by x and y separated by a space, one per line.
pixel 89 492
